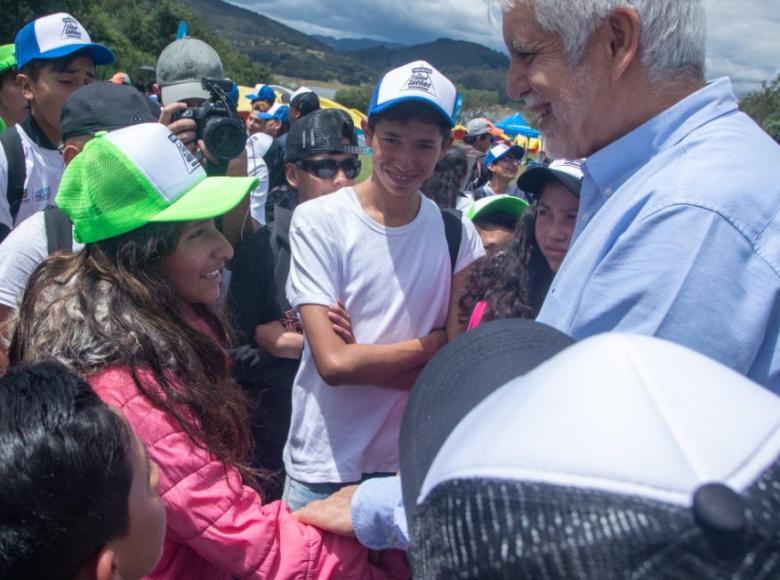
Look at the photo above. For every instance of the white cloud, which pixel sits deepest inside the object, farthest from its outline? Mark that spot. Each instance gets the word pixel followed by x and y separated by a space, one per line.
pixel 741 40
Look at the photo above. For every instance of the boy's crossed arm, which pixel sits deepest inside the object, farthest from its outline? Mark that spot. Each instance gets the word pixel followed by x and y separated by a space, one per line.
pixel 340 363
pixel 393 365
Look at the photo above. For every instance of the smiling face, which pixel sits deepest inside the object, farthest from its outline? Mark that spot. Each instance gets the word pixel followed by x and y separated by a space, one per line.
pixel 52 85
pixel 505 168
pixel 404 154
pixel 194 268
pixel 556 216
pixel 565 98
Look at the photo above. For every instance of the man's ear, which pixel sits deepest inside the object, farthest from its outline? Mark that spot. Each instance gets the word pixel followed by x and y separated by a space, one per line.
pixel 623 27
pixel 25 83
pixel 291 172
pixel 364 126
pixel 104 566
pixel 70 151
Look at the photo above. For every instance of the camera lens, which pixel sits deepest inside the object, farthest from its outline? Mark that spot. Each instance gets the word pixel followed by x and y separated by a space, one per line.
pixel 224 138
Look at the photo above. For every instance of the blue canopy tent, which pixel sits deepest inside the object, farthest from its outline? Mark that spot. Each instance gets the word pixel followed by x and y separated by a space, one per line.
pixel 515 125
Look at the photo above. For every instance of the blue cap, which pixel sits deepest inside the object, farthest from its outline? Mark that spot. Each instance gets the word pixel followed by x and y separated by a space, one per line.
pixel 501 150
pixel 264 116
pixel 416 81
pixel 56 36
pixel 262 93
pixel 283 114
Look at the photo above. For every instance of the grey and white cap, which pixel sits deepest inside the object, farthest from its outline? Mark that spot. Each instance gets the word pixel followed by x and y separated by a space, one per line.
pixel 181 66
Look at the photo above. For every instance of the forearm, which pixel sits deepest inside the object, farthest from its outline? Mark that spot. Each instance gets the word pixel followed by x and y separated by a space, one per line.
pixel 392 365
pixel 403 381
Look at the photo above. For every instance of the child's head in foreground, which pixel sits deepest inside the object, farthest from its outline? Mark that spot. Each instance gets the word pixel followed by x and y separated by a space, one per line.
pixel 78 494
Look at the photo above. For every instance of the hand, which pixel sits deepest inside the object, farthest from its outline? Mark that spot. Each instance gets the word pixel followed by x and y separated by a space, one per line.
pixel 342 325
pixel 184 129
pixel 433 342
pixel 275 339
pixel 332 514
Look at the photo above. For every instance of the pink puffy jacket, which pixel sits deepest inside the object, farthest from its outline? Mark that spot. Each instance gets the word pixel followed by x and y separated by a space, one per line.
pixel 217 527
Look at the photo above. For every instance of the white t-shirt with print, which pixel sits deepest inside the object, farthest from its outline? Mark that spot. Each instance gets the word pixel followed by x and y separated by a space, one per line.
pixel 44 171
pixel 395 283
pixel 20 253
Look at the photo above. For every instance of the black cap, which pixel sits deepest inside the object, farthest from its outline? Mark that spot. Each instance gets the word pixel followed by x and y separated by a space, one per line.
pixel 463 373
pixel 568 173
pixel 306 103
pixel 321 132
pixel 104 106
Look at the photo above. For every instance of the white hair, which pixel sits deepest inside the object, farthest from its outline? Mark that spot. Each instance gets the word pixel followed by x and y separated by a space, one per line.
pixel 672 37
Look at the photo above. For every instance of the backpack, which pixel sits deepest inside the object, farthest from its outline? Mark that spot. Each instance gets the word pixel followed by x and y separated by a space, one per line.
pixel 453 230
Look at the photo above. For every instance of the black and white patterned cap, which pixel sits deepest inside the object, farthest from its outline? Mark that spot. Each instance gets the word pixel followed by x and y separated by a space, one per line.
pixel 321 131
pixel 620 457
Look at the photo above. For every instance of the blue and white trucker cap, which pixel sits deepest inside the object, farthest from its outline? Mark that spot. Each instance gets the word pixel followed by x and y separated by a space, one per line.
pixel 415 81
pixel 55 36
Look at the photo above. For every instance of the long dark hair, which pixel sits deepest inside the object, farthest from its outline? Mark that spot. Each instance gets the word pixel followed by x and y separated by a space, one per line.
pixel 514 280
pixel 444 185
pixel 111 305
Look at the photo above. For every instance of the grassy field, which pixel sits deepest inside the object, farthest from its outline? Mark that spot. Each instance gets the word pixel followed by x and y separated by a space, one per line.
pixel 366 169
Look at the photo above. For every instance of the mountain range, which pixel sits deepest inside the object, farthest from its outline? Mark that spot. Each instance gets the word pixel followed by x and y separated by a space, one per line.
pixel 292 53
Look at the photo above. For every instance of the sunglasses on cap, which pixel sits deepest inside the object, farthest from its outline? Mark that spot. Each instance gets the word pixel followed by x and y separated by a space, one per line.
pixel 328 168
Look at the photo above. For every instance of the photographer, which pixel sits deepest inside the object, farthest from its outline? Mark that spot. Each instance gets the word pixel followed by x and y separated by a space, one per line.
pixel 190 105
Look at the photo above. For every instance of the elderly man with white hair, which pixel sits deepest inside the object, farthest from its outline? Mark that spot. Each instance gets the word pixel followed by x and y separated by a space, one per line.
pixel 673 238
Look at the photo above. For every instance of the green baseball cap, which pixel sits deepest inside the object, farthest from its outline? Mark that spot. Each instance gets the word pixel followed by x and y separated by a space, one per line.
pixel 497 203
pixel 141 174
pixel 7 58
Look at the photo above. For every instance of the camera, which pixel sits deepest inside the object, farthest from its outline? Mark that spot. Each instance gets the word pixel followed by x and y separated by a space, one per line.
pixel 218 123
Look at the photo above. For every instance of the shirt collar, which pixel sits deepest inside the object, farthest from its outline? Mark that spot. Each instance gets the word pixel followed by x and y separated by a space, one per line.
pixel 610 167
pixel 35 133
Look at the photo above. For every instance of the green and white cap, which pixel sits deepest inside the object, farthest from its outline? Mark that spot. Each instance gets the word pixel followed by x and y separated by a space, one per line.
pixel 137 175
pixel 504 203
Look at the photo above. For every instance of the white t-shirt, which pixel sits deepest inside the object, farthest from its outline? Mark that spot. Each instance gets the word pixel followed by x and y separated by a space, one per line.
pixel 256 147
pixel 20 253
pixel 44 171
pixel 395 283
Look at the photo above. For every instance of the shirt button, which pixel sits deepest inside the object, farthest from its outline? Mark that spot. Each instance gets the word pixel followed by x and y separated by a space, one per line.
pixel 609 191
pixel 586 217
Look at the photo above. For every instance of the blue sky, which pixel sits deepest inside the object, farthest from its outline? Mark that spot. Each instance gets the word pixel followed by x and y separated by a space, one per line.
pixel 742 34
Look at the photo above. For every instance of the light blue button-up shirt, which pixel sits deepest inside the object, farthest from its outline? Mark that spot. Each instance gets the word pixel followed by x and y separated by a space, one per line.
pixel 678 236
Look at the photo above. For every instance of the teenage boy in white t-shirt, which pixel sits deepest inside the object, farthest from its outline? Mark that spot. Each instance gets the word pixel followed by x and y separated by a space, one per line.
pixel 381 248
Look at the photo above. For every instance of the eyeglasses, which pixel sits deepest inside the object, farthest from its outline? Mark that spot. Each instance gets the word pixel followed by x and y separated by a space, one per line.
pixel 329 168
pixel 510 160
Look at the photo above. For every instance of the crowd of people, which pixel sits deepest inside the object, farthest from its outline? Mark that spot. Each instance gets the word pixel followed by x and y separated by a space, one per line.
pixel 222 355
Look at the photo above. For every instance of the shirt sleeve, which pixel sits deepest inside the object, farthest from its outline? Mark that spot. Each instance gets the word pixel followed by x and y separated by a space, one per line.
pixel 709 293
pixel 378 515
pixel 471 248
pixel 20 253
pixel 258 168
pixel 5 207
pixel 314 259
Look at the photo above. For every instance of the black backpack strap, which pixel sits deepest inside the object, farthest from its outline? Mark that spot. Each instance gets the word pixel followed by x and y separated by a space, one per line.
pixel 59 232
pixel 453 230
pixel 17 169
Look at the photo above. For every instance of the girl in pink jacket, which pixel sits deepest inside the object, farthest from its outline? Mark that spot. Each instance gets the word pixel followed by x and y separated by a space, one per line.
pixel 133 312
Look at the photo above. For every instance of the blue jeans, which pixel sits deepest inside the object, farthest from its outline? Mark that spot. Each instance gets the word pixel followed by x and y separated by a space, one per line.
pixel 297 494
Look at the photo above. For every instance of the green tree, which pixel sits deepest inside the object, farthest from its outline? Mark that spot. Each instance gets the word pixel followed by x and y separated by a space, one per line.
pixel 355 97
pixel 763 105
pixel 136 31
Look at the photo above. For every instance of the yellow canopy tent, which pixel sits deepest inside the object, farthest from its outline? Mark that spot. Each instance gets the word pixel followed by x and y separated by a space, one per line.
pixel 244 106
